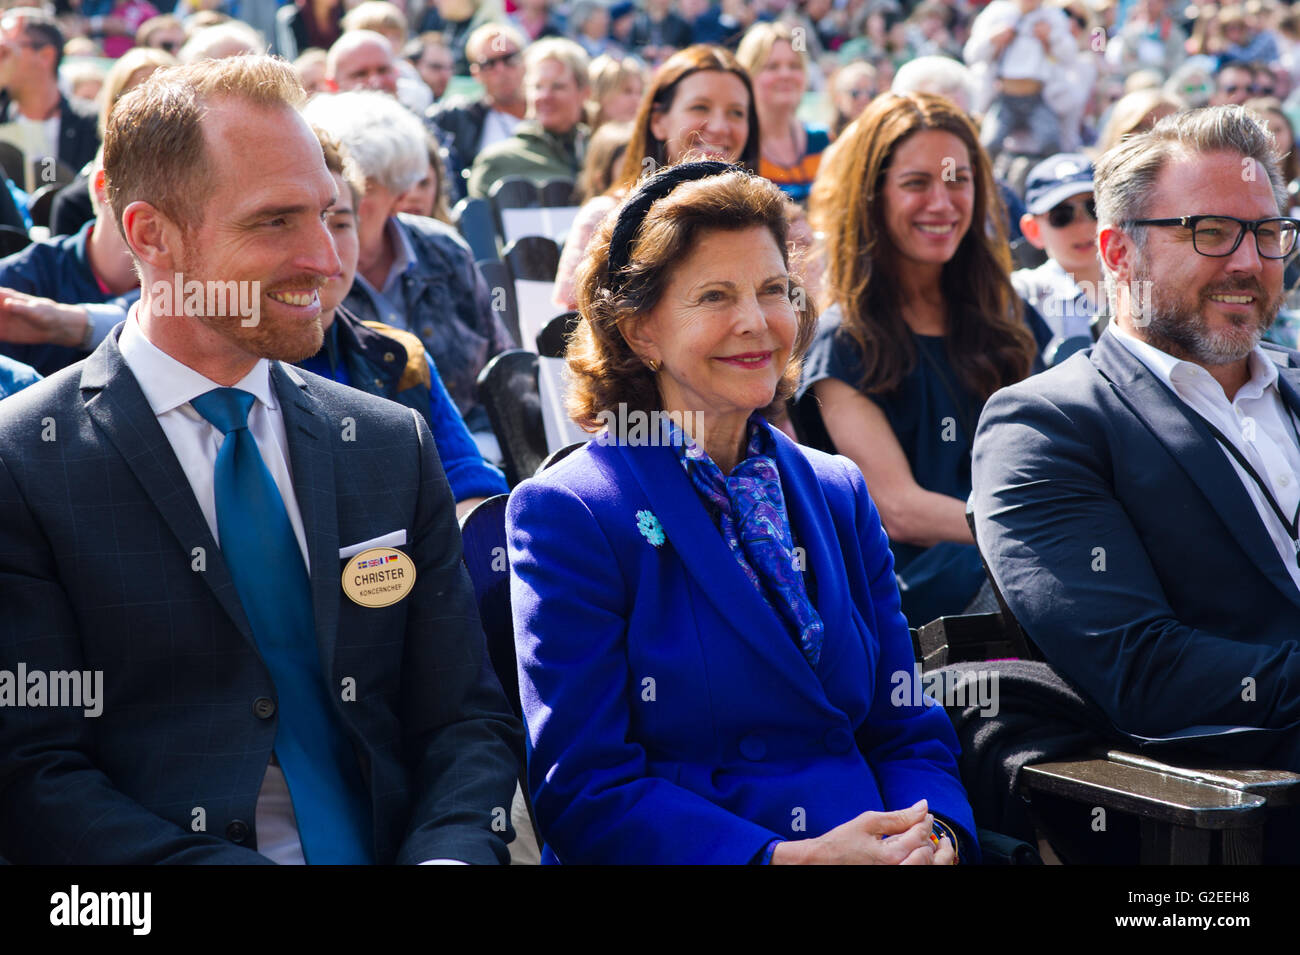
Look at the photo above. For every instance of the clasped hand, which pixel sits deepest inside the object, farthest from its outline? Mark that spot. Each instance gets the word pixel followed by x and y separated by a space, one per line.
pixel 901 837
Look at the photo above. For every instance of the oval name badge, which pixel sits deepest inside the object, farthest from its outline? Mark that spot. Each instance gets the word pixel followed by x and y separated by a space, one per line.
pixel 378 577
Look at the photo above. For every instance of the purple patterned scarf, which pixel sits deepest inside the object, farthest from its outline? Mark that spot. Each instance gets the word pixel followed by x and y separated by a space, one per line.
pixel 751 515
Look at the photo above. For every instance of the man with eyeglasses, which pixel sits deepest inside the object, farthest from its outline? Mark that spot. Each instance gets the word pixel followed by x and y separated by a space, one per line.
pixel 1138 504
pixel 31 48
pixel 551 141
pixel 468 126
pixel 1237 82
pixel 1061 218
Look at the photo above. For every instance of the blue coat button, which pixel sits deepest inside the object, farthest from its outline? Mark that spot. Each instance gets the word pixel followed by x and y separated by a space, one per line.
pixel 838 740
pixel 753 747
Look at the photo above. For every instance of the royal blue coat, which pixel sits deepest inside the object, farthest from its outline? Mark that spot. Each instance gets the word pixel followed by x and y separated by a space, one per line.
pixel 671 716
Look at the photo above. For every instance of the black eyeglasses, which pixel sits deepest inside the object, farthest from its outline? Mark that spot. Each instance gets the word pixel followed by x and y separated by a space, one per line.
pixel 508 59
pixel 1062 215
pixel 1233 90
pixel 1219 236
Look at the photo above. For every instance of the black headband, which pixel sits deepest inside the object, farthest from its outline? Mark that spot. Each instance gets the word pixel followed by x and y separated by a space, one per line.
pixel 637 207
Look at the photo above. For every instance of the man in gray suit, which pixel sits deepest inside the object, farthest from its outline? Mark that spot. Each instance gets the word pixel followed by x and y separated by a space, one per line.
pixel 1138 504
pixel 253 571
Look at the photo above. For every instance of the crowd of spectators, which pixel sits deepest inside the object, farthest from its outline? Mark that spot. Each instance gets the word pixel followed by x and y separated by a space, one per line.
pixel 969 266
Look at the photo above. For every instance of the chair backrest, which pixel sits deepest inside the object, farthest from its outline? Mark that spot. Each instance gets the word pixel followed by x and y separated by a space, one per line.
pixel 556 456
pixel 515 192
pixel 473 218
pixel 14 163
pixel 553 339
pixel 483 534
pixel 13 240
pixel 501 289
pixel 508 389
pixel 534 258
pixel 557 192
pixel 41 204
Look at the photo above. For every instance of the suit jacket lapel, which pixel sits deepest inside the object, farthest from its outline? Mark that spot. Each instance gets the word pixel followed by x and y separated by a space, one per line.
pixel 120 410
pixel 311 461
pixel 1197 452
pixel 706 557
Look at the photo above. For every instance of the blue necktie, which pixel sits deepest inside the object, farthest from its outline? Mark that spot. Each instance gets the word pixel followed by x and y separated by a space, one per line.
pixel 261 550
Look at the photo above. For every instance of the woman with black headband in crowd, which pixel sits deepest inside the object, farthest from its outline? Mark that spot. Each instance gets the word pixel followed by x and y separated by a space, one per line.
pixel 713 664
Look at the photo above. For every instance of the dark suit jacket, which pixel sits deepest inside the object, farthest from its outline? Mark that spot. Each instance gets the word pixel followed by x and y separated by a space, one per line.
pixel 106 563
pixel 1129 550
pixel 735 740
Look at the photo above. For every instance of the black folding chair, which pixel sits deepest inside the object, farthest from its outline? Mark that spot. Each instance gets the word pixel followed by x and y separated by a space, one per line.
pixel 1183 813
pixel 508 389
pixel 42 203
pixel 13 240
pixel 556 193
pixel 501 291
pixel 14 163
pixel 512 192
pixel 483 537
pixel 533 258
pixel 553 340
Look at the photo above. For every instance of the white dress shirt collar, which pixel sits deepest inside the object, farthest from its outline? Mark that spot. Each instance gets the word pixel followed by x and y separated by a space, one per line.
pixel 169 384
pixel 1176 372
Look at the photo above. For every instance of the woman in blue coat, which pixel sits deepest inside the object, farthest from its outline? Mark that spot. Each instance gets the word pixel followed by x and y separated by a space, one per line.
pixel 713 664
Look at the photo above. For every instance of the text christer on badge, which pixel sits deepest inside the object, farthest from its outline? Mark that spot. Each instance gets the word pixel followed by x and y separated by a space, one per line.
pixel 378 577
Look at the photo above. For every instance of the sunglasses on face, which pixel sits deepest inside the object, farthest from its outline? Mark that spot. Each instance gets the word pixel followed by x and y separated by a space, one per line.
pixel 1061 216
pixel 1252 90
pixel 505 59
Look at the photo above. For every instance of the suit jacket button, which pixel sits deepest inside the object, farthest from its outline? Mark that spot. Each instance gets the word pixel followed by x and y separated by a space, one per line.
pixel 753 748
pixel 264 707
pixel 237 831
pixel 838 740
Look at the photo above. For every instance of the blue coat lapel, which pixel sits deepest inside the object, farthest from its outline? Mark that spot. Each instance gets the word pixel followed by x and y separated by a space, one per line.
pixel 311 460
pixel 706 557
pixel 120 410
pixel 1197 451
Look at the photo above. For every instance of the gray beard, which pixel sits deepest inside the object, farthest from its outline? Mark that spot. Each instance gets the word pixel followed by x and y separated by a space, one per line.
pixel 1179 331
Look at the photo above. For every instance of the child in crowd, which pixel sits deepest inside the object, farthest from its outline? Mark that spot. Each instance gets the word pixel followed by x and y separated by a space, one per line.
pixel 1061 218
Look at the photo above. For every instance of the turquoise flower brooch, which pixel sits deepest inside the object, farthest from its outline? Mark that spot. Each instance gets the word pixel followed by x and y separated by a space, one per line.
pixel 650 528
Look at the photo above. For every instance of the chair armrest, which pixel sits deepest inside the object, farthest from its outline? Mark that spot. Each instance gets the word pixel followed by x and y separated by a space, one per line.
pixel 1146 793
pixel 1277 786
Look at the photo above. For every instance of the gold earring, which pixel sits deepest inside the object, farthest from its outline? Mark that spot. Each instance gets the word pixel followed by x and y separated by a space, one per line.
pixel 652 365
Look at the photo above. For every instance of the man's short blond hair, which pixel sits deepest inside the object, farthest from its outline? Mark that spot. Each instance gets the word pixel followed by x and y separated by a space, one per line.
pixel 561 51
pixel 482 36
pixel 154 149
pixel 375 15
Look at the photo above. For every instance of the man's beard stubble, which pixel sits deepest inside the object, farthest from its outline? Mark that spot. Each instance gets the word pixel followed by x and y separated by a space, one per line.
pixel 276 340
pixel 1179 330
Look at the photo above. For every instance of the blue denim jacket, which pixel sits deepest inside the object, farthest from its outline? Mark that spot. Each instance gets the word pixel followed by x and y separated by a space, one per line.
pixel 445 302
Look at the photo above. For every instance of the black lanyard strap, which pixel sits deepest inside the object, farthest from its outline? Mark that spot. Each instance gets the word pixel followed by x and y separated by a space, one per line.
pixel 1292 524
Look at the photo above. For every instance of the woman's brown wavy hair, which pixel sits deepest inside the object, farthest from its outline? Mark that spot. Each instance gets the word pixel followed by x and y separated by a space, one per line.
pixel 988 342
pixel 605 371
pixel 645 152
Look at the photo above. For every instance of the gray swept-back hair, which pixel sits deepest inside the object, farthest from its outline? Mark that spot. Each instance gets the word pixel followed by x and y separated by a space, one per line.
pixel 1126 175
pixel 384 138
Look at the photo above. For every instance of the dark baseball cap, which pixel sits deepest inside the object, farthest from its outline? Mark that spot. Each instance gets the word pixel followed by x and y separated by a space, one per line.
pixel 1056 179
